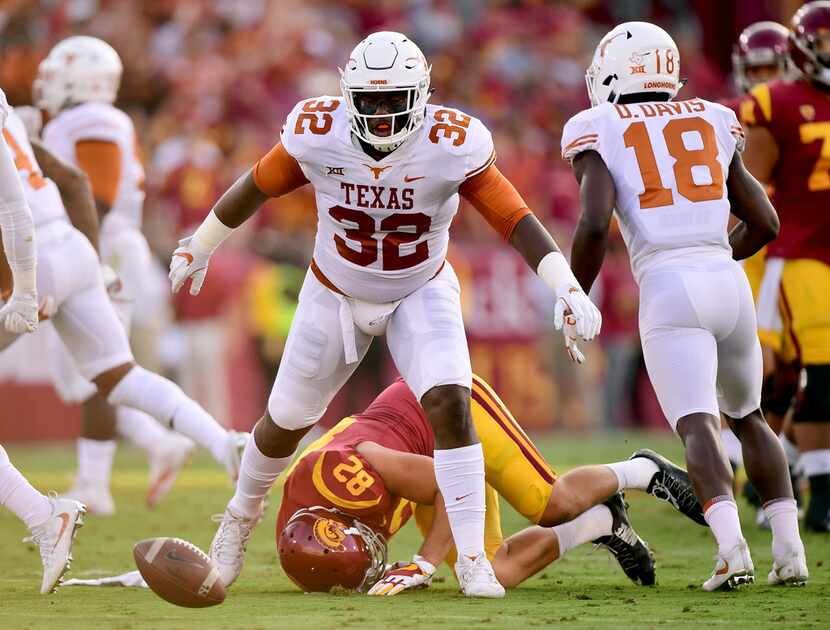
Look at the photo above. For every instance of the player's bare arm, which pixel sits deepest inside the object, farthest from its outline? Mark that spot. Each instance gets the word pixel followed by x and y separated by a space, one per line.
pixel 761 153
pixel 749 202
pixel 75 190
pixel 276 174
pixel 597 197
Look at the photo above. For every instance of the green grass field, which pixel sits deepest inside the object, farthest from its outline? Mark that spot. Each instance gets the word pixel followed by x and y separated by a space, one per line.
pixel 584 590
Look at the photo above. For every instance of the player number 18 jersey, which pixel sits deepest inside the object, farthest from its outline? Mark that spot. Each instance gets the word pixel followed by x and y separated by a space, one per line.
pixel 669 162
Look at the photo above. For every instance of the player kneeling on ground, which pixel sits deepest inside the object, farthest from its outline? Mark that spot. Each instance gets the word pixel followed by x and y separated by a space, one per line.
pixel 358 484
pixel 672 170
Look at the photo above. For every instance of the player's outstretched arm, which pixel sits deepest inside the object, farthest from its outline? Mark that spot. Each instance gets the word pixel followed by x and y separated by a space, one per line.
pixel 759 222
pixel 19 314
pixel 597 197
pixel 276 174
pixel 75 190
pixel 492 194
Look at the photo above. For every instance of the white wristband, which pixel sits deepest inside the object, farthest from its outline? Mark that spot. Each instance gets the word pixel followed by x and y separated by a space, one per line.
pixel 210 234
pixel 555 272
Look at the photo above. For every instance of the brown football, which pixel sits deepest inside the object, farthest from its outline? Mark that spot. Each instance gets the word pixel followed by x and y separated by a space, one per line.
pixel 179 572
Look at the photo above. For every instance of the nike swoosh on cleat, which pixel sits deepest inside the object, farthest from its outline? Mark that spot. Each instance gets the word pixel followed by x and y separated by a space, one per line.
pixel 409 179
pixel 724 569
pixel 65 518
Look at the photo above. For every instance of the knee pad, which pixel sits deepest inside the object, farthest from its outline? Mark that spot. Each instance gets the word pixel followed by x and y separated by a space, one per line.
pixel 779 389
pixel 814 402
pixel 148 392
pixel 291 413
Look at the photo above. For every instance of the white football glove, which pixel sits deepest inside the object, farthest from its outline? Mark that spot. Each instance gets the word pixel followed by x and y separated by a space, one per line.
pixel 187 262
pixel 19 314
pixel 32 119
pixel 571 299
pixel 404 576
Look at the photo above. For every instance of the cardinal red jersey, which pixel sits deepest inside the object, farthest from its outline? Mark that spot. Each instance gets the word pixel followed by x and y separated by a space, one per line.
pixel 798 116
pixel 331 473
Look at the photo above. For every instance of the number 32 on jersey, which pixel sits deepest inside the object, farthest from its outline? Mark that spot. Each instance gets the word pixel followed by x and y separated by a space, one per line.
pixel 655 194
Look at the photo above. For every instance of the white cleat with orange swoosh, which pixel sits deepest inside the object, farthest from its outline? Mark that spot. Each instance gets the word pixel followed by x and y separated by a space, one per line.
pixel 54 539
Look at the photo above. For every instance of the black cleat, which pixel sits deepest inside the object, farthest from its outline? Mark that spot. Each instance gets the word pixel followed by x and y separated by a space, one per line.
pixel 817 522
pixel 672 484
pixel 626 546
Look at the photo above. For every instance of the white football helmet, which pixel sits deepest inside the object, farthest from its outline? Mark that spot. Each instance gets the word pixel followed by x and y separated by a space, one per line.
pixel 386 62
pixel 77 70
pixel 632 58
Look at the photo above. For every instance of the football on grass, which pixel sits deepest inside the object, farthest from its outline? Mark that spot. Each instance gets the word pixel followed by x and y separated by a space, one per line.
pixel 179 572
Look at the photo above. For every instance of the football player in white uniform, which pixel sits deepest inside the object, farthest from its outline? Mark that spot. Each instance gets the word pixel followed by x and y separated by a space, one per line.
pixel 77 83
pixel 672 169
pixel 387 170
pixel 53 522
pixel 70 281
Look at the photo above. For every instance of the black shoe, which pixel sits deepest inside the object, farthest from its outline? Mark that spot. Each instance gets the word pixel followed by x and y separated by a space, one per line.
pixel 817 520
pixel 672 484
pixel 626 546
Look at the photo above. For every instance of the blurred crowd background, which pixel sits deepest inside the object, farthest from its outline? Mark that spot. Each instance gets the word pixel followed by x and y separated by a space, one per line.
pixel 208 84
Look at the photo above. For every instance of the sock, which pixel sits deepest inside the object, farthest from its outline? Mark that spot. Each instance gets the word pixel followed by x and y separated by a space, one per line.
pixel 142 430
pixel 257 474
pixel 634 474
pixel 588 526
pixel 460 476
pixel 782 515
pixel 95 462
pixel 167 403
pixel 17 494
pixel 721 513
pixel 732 448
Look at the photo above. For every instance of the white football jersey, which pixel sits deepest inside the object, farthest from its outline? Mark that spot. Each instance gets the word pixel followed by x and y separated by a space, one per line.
pixel 670 163
pixel 42 195
pixel 102 121
pixel 383 226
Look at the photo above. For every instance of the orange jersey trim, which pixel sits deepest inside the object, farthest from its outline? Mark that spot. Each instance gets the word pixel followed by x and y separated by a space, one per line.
pixel 584 139
pixel 101 161
pixel 489 400
pixel 492 194
pixel 278 173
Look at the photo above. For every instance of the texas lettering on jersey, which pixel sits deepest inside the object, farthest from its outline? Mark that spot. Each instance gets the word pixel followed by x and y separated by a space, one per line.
pixel 669 162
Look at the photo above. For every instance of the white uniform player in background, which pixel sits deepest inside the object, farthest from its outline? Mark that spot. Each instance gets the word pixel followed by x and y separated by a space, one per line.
pixel 71 283
pixel 52 522
pixel 77 83
pixel 387 170
pixel 671 169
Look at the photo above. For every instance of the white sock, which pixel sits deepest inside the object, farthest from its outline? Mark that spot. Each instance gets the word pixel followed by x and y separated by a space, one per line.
pixel 257 474
pixel 782 515
pixel 588 526
pixel 167 403
pixel 721 513
pixel 791 451
pixel 142 430
pixel 634 474
pixel 815 462
pixel 19 496
pixel 460 476
pixel 95 462
pixel 732 447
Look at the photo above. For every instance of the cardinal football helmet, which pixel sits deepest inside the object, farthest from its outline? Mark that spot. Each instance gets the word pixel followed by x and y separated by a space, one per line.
pixel 386 62
pixel 77 70
pixel 634 58
pixel 320 548
pixel 760 44
pixel 810 41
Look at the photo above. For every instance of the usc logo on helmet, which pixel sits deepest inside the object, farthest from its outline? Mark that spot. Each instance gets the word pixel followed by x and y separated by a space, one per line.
pixel 329 533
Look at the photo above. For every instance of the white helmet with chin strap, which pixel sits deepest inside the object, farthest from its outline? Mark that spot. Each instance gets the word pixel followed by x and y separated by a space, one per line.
pixel 386 62
pixel 77 70
pixel 634 57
